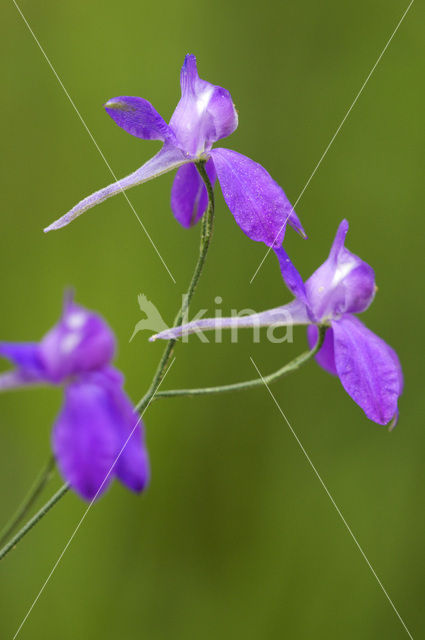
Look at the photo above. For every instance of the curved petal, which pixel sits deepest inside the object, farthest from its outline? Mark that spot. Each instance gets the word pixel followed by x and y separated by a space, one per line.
pixel 258 203
pixel 295 223
pixel 393 423
pixel 24 355
pixel 294 313
pixel 290 275
pixel 368 368
pixel 138 117
pixel 204 114
pixel 19 378
pixel 189 197
pixel 342 284
pixel 167 159
pixel 30 369
pixel 326 356
pixel 85 440
pixel 132 467
pixel 80 342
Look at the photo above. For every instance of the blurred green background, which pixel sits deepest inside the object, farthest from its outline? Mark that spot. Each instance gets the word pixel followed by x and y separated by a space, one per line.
pixel 235 537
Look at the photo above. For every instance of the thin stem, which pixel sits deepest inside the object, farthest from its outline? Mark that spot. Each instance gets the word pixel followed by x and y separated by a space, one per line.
pixel 33 521
pixel 249 384
pixel 29 500
pixel 207 226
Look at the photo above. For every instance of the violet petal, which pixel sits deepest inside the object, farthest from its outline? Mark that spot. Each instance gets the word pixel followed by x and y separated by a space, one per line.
pixel 368 368
pixel 294 313
pixel 24 355
pixel 342 284
pixel 326 356
pixel 132 467
pixel 167 159
pixel 189 197
pixel 138 117
pixel 84 439
pixel 30 369
pixel 19 378
pixel 258 203
pixel 290 275
pixel 204 114
pixel 80 342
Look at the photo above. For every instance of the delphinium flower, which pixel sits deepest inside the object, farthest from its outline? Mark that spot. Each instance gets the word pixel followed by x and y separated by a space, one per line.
pixel 91 438
pixel 342 286
pixel 204 115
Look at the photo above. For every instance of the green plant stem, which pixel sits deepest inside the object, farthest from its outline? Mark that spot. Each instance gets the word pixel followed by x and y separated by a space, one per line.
pixel 207 226
pixel 29 500
pixel 33 521
pixel 249 384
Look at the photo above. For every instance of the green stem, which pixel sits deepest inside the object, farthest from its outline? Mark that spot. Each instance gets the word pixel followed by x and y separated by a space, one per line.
pixel 29 500
pixel 207 225
pixel 249 384
pixel 33 521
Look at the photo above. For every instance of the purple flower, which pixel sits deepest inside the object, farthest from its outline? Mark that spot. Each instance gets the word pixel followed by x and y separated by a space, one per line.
pixel 342 286
pixel 204 114
pixel 95 424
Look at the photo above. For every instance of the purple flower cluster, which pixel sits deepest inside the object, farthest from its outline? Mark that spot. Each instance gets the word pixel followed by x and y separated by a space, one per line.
pixel 97 435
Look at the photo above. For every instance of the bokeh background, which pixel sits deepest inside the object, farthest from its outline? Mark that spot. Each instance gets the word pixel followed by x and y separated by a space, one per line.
pixel 235 537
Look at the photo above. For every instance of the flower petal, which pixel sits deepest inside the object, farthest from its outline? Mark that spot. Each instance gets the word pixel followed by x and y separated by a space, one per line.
pixel 189 197
pixel 167 159
pixel 368 368
pixel 204 114
pixel 84 439
pixel 294 313
pixel 295 223
pixel 132 467
pixel 258 203
pixel 17 379
pixel 326 356
pixel 138 117
pixel 30 369
pixel 98 435
pixel 290 275
pixel 24 355
pixel 80 342
pixel 342 284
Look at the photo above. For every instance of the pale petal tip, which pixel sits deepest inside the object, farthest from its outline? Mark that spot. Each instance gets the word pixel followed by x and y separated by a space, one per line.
pixel 393 422
pixel 68 298
pixel 54 226
pixel 167 334
pixel 343 226
pixel 115 103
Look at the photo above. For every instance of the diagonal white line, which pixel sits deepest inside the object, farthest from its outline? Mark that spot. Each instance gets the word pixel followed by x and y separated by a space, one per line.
pixel 88 509
pixel 93 139
pixel 319 477
pixel 336 133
